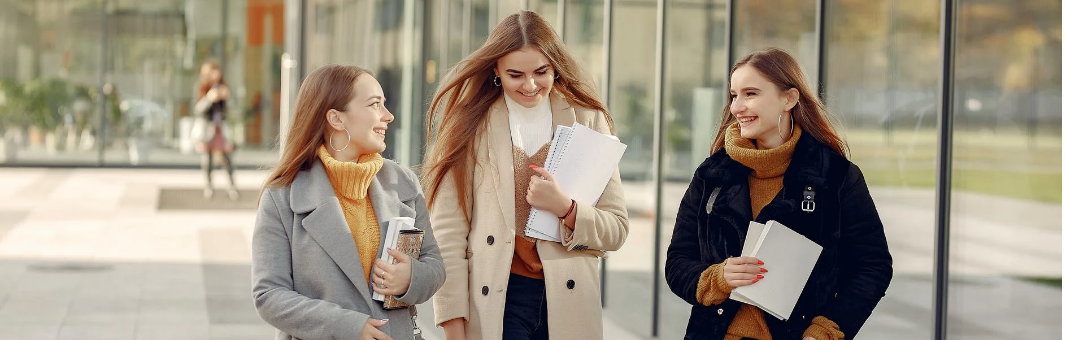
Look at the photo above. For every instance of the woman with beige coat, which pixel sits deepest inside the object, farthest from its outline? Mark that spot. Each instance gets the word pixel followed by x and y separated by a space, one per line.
pixel 490 127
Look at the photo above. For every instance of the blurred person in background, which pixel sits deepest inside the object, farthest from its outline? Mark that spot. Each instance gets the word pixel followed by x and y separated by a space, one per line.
pixel 323 213
pixel 777 156
pixel 209 130
pixel 497 112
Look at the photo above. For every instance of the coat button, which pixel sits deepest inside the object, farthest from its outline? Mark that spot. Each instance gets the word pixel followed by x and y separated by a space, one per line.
pixel 570 284
pixel 491 239
pixel 484 290
pixel 720 311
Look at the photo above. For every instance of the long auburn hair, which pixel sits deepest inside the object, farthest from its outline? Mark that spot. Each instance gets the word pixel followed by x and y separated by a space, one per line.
pixel 462 102
pixel 329 87
pixel 809 113
pixel 204 85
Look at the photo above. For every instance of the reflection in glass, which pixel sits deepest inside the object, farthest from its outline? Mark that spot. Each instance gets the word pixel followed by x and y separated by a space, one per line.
pixel 694 97
pixel 1005 250
pixel 879 85
pixel 629 270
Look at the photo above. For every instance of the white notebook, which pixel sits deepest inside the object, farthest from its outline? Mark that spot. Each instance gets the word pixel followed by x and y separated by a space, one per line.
pixel 789 258
pixel 395 225
pixel 582 161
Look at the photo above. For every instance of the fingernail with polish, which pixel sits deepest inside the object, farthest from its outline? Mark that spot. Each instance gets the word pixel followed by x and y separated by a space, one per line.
pixel 760 277
pixel 384 320
pixel 760 262
pixel 763 270
pixel 754 281
pixel 532 166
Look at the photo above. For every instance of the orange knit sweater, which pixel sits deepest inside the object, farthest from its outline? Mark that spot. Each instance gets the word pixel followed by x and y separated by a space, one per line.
pixel 766 179
pixel 351 183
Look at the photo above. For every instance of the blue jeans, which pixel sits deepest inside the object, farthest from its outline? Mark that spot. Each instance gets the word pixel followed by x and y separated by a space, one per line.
pixel 525 314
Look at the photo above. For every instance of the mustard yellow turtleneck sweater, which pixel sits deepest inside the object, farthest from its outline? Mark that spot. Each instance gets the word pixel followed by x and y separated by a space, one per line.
pixel 351 183
pixel 766 179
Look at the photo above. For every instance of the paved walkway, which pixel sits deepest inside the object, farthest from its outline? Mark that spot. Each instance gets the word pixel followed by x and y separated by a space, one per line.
pixel 89 254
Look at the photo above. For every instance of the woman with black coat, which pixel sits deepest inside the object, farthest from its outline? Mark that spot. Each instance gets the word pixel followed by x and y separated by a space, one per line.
pixel 777 157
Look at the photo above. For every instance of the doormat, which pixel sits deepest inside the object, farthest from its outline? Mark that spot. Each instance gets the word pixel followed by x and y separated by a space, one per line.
pixel 192 199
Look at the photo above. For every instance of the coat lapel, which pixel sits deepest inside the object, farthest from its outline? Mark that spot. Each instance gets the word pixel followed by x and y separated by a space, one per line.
pixel 386 205
pixel 561 113
pixel 501 154
pixel 313 195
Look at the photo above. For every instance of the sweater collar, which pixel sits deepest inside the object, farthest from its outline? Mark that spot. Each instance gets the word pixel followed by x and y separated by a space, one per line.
pixel 528 114
pixel 766 163
pixel 351 180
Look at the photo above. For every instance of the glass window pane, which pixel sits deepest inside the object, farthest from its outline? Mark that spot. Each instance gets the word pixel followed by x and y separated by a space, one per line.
pixel 1005 250
pixel 879 85
pixel 629 271
pixel 144 57
pixel 584 36
pixel 694 98
pixel 786 24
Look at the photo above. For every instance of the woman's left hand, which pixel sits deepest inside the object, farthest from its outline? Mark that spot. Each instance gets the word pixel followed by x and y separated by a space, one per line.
pixel 392 279
pixel 544 193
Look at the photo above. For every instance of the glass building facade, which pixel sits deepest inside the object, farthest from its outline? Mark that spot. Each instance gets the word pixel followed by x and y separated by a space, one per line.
pixel 112 82
pixel 952 109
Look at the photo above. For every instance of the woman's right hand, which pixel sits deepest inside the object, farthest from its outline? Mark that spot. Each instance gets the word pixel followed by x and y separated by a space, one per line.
pixel 454 329
pixel 742 271
pixel 370 331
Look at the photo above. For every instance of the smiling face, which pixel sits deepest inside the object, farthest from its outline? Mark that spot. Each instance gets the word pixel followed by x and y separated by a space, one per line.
pixel 759 105
pixel 526 76
pixel 365 118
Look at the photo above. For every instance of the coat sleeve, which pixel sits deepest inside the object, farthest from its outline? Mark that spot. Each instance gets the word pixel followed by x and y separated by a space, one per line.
pixel 684 266
pixel 272 287
pixel 451 230
pixel 865 267
pixel 427 273
pixel 604 226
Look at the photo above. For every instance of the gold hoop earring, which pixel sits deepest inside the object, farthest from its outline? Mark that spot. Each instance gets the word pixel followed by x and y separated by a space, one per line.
pixel 345 144
pixel 497 82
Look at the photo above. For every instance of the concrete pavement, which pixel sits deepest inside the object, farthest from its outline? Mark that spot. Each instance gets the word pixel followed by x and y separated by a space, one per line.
pixel 96 254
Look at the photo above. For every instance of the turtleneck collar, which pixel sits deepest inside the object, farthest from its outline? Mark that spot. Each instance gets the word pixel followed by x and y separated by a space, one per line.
pixel 528 114
pixel 766 163
pixel 351 180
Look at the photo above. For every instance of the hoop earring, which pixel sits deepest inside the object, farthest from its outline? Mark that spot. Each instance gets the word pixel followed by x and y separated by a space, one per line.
pixel 497 82
pixel 785 138
pixel 345 144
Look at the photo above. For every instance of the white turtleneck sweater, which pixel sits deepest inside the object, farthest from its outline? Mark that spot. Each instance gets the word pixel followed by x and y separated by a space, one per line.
pixel 530 128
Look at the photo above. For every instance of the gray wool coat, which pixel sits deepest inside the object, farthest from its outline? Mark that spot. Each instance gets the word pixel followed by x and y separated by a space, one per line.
pixel 308 282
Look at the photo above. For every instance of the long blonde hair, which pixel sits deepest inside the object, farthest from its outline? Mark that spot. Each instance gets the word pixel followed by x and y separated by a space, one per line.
pixel 809 113
pixel 462 102
pixel 329 87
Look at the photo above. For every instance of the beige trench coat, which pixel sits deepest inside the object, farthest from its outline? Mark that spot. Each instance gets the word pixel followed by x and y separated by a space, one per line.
pixel 477 269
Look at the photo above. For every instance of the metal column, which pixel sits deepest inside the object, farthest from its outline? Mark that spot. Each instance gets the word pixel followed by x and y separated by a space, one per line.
pixel 944 167
pixel 656 158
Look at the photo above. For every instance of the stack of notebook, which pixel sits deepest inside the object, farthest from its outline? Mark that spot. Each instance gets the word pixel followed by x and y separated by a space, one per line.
pixel 582 161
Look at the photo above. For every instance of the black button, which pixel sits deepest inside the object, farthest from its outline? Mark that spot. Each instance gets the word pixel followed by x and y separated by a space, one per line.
pixel 484 290
pixel 570 284
pixel 491 239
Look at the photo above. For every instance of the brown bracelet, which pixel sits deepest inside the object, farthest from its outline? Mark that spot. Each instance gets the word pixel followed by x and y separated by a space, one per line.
pixel 572 204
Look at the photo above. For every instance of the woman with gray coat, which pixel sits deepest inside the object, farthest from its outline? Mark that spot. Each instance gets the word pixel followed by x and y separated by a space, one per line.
pixel 324 212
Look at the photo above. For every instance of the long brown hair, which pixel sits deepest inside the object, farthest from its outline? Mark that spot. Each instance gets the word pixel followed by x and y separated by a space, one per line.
pixel 329 87
pixel 809 113
pixel 462 102
pixel 204 85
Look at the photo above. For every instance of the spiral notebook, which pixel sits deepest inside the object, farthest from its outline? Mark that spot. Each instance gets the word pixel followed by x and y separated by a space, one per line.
pixel 582 161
